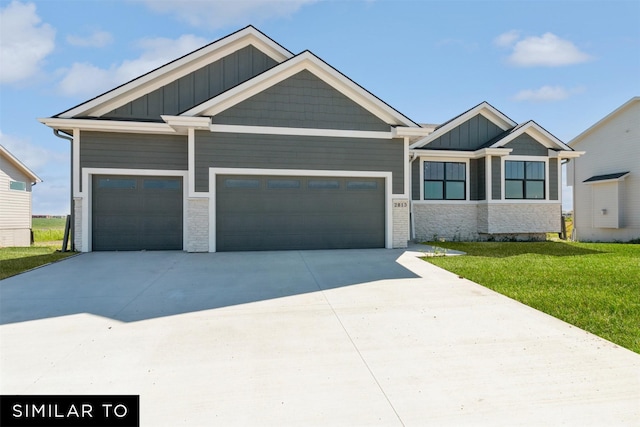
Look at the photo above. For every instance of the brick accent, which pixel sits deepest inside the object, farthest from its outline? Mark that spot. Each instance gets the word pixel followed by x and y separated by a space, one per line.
pixel 197 225
pixel 77 223
pixel 484 221
pixel 400 214
pixel 448 221
pixel 519 218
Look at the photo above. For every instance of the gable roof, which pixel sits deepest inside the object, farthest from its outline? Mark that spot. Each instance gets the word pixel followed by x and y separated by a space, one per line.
pixel 312 63
pixel 604 120
pixel 534 130
pixel 18 164
pixel 177 68
pixel 484 108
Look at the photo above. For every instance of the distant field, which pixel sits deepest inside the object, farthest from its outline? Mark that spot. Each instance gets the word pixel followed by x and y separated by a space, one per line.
pixel 48 229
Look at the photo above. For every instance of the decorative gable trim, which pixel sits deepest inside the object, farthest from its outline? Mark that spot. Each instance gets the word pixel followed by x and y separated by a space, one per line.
pixel 537 132
pixel 21 166
pixel 180 67
pixel 304 61
pixel 484 108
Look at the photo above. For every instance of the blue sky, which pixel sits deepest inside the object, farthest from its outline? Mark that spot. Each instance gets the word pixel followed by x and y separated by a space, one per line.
pixel 564 64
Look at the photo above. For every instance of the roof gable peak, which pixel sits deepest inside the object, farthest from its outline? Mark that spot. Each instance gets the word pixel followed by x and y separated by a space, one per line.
pixel 177 68
pixel 484 108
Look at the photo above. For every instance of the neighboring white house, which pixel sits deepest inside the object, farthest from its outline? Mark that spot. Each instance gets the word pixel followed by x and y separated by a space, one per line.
pixel 16 181
pixel 606 180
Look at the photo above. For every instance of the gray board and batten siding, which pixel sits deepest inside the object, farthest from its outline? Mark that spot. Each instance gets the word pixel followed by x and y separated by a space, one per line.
pixel 468 136
pixel 196 87
pixel 132 151
pixel 299 213
pixel 302 101
pixel 231 150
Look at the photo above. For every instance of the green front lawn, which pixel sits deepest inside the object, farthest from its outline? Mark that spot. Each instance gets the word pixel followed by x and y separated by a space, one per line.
pixel 594 286
pixel 17 260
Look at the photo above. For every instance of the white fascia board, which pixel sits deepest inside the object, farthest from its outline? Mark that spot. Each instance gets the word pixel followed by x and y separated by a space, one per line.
pixel 462 154
pixel 21 166
pixel 182 124
pixel 304 61
pixel 495 116
pixel 269 130
pixel 179 68
pixel 108 125
pixel 570 154
pixel 405 131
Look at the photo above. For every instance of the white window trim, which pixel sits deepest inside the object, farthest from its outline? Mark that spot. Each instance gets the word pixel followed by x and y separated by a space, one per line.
pixel 214 172
pixel 503 179
pixel 467 190
pixel 87 175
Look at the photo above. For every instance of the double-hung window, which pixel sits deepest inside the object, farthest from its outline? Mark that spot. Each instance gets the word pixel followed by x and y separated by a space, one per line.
pixel 444 181
pixel 524 180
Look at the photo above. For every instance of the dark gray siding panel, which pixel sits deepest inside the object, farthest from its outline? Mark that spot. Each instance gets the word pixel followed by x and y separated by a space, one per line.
pixel 482 179
pixel 496 178
pixel 297 152
pixel 196 87
pixel 473 179
pixel 470 135
pixel 132 151
pixel 525 145
pixel 553 179
pixel 302 101
pixel 416 185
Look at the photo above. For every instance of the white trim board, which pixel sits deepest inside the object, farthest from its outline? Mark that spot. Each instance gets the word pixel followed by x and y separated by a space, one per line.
pixel 214 172
pixel 273 130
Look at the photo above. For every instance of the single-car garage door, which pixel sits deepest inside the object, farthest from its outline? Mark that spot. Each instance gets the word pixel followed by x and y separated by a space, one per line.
pixel 136 212
pixel 298 212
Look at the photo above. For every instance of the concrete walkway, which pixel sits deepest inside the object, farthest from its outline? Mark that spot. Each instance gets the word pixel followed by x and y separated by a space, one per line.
pixel 357 337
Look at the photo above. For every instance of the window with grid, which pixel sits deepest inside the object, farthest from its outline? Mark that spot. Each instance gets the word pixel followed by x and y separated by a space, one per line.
pixel 524 180
pixel 444 181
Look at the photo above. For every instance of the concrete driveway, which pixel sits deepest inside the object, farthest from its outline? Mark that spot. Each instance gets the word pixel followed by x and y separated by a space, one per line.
pixel 353 337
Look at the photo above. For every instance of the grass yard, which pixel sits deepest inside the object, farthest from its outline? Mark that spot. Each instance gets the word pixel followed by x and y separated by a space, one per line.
pixel 17 260
pixel 47 234
pixel 48 229
pixel 594 286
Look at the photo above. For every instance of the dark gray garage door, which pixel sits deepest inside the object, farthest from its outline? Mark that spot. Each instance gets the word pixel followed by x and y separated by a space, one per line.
pixel 283 213
pixel 134 213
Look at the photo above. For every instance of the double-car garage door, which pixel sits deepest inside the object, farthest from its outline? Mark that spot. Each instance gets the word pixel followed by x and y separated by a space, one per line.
pixel 251 212
pixel 299 212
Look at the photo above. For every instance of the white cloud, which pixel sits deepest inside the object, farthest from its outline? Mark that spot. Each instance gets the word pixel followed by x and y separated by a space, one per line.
pixel 548 50
pixel 507 39
pixel 217 13
pixel 24 42
pixel 95 39
pixel 52 195
pixel 84 79
pixel 546 94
